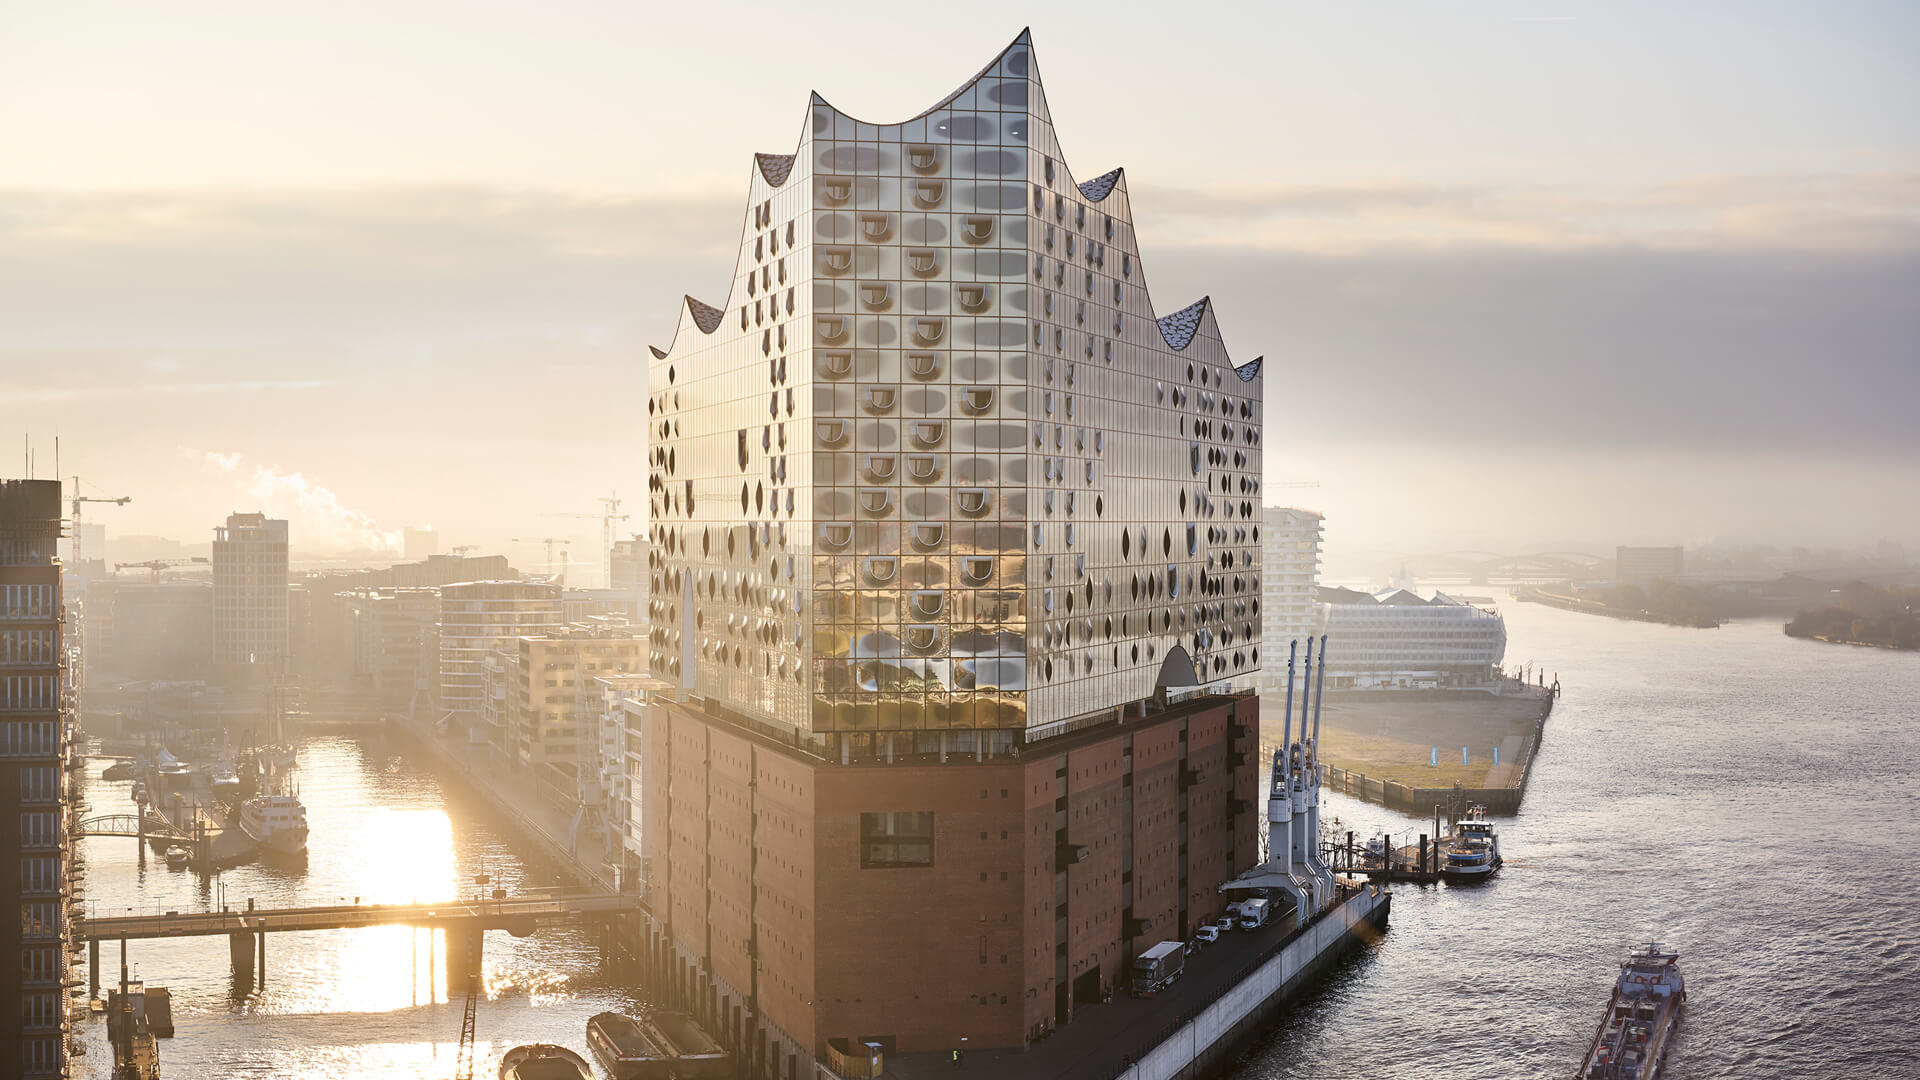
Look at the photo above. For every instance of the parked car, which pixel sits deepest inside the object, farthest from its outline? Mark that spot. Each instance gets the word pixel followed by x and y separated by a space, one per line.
pixel 1225 922
pixel 1206 935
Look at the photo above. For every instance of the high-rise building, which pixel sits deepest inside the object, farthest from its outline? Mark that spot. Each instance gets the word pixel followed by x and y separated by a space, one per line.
pixel 250 604
pixel 1644 565
pixel 34 753
pixel 477 617
pixel 392 638
pixel 954 559
pixel 1289 575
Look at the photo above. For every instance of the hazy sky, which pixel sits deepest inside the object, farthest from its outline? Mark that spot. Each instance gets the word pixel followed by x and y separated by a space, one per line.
pixel 1524 272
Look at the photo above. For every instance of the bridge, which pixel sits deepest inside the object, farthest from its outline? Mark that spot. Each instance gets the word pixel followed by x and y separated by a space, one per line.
pixel 246 931
pixel 1487 567
pixel 135 825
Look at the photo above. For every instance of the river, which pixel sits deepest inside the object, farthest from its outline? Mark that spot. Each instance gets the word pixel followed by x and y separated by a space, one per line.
pixel 349 1003
pixel 1745 797
pixel 1750 799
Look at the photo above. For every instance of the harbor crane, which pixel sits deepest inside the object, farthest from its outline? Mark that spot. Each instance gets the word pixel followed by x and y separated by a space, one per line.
pixel 550 541
pixel 79 559
pixel 154 566
pixel 607 518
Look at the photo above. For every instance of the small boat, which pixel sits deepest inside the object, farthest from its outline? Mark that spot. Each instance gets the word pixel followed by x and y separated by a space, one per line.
pixel 1638 1028
pixel 172 767
pixel 119 770
pixel 176 858
pixel 624 1049
pixel 1472 853
pixel 544 1061
pixel 1376 848
pixel 278 823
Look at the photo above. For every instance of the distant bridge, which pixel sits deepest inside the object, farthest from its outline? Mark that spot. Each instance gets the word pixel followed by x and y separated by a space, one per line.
pixel 1486 567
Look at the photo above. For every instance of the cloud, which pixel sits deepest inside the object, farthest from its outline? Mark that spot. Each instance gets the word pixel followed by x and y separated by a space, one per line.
pixel 317 519
pixel 1825 212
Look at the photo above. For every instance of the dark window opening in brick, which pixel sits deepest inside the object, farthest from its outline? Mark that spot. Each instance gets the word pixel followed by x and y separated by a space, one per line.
pixel 900 838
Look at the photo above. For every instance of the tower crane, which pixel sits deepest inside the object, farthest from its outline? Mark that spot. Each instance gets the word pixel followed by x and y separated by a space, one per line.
pixel 549 541
pixel 154 566
pixel 607 518
pixel 77 499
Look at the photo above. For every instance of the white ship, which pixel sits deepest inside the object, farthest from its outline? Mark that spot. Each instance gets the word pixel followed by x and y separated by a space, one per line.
pixel 1472 853
pixel 277 823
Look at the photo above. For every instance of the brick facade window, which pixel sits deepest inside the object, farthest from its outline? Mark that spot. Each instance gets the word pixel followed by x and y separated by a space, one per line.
pixel 897 839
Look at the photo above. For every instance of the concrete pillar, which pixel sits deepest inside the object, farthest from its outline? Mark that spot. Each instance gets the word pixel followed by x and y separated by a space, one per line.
pixel 464 945
pixel 93 968
pixel 240 950
pixel 262 935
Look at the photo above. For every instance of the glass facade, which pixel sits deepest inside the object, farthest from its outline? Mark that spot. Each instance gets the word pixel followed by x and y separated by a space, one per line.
pixel 936 465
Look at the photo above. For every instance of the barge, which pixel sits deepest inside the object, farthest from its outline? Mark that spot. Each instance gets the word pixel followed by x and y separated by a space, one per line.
pixel 1641 1016
pixel 624 1050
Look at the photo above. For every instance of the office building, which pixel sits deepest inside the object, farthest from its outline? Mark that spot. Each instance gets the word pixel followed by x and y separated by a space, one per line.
pixel 1397 639
pixel 954 556
pixel 1289 576
pixel 393 639
pixel 1644 565
pixel 34 754
pixel 477 617
pixel 251 626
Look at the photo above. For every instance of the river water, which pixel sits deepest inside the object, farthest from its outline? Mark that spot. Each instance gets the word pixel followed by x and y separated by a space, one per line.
pixel 1750 799
pixel 349 1003
pixel 1745 797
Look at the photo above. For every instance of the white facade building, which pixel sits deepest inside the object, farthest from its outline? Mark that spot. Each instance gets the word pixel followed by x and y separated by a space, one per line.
pixel 475 618
pixel 1397 639
pixel 1290 574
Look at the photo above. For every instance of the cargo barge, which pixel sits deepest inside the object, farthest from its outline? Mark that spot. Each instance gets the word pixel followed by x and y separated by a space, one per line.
pixel 1633 1038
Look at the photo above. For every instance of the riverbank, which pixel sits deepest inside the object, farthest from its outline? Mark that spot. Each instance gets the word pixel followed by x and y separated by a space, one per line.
pixel 1535 595
pixel 1382 745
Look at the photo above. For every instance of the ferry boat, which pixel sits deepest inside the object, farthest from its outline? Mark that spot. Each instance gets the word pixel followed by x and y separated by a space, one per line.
pixel 624 1049
pixel 1472 853
pixel 276 822
pixel 176 858
pixel 1645 1008
pixel 544 1061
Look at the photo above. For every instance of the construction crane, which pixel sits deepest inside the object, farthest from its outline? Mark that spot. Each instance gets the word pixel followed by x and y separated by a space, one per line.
pixel 550 541
pixel 79 557
pixel 607 518
pixel 460 550
pixel 154 566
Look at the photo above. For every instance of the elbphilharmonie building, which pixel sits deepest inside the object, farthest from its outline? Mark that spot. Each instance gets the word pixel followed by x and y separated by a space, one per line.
pixel 955 536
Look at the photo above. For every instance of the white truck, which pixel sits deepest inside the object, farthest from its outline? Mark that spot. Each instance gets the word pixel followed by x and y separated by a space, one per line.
pixel 1254 913
pixel 1155 969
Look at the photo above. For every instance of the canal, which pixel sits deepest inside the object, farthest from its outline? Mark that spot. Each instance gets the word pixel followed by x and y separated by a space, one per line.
pixel 360 1003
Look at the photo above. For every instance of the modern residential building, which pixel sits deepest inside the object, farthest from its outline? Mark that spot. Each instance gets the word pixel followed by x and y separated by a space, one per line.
pixel 1644 565
pixel 550 715
pixel 1289 576
pixel 34 755
pixel 477 617
pixel 1395 638
pixel 953 558
pixel 393 638
pixel 250 602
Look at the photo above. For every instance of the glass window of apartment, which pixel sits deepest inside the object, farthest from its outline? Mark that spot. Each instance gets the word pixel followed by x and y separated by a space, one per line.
pixel 896 839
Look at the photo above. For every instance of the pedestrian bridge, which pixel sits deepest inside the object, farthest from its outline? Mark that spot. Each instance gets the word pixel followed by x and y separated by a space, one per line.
pixel 129 825
pixel 511 913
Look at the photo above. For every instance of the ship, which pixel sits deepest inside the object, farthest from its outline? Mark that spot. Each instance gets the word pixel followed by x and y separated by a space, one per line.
pixel 1472 853
pixel 278 823
pixel 624 1049
pixel 1641 1016
pixel 544 1061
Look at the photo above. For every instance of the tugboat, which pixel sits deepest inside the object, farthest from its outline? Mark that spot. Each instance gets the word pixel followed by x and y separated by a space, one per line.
pixel 544 1061
pixel 624 1049
pixel 278 823
pixel 1634 1036
pixel 1472 853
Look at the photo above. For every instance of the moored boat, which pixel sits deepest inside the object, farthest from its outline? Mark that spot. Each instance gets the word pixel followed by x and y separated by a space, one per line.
pixel 278 823
pixel 1472 853
pixel 624 1049
pixel 695 1053
pixel 119 770
pixel 544 1061
pixel 176 858
pixel 1641 1016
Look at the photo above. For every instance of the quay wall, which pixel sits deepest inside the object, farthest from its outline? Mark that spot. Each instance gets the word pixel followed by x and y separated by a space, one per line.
pixel 1221 1030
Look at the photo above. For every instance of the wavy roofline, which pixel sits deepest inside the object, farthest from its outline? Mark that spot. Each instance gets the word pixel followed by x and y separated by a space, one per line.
pixel 1024 37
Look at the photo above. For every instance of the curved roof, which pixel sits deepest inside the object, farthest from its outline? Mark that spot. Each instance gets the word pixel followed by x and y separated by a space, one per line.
pixel 775 167
pixel 1017 66
pixel 1249 370
pixel 705 316
pixel 1178 328
pixel 1101 186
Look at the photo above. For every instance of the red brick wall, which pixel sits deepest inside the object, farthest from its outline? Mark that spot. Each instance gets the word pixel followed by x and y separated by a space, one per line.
pixel 784 841
pixel 1156 829
pixel 1094 776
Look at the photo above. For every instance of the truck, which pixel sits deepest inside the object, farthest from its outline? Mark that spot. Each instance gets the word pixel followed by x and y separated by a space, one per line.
pixel 1155 969
pixel 1253 913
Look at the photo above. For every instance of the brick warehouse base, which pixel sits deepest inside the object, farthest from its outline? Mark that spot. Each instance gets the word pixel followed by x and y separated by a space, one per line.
pixel 781 920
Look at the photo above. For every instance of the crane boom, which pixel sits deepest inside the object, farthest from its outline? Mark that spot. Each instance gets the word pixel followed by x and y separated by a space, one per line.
pixel 79 558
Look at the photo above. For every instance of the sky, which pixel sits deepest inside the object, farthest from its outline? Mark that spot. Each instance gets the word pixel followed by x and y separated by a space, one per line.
pixel 1526 274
